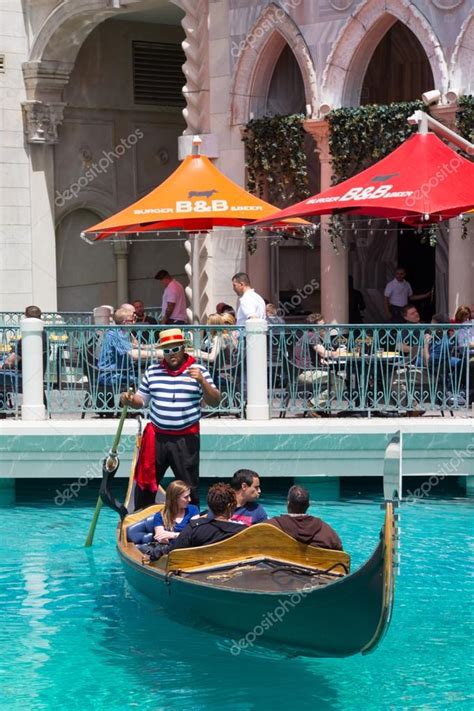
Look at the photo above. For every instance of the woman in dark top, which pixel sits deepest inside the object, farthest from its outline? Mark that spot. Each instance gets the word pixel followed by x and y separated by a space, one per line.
pixel 222 501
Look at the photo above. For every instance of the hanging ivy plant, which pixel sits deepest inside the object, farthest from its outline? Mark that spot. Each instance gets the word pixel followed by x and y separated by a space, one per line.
pixel 275 159
pixel 359 137
pixel 465 117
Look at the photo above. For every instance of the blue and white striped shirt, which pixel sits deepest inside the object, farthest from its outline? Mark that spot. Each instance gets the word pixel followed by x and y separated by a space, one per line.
pixel 175 400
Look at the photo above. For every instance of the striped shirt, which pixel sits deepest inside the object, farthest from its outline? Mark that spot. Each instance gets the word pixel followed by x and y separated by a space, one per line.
pixel 175 400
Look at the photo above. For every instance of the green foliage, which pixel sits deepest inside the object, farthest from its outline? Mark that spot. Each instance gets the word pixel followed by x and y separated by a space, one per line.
pixel 429 235
pixel 465 117
pixel 275 159
pixel 359 137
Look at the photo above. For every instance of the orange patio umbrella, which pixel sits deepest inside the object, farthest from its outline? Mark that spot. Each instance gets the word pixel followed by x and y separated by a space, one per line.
pixel 195 198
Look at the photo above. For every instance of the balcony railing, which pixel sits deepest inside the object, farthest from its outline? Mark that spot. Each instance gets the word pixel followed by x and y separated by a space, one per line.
pixel 378 369
pixel 320 370
pixel 53 318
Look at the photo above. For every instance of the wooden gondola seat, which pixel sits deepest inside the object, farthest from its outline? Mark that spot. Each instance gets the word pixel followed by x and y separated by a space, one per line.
pixel 257 542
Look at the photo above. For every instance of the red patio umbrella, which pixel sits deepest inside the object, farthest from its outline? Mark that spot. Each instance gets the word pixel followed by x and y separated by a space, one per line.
pixel 422 181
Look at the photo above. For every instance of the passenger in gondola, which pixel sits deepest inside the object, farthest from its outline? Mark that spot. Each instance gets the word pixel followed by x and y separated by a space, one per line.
pixel 304 528
pixel 222 503
pixel 176 513
pixel 171 520
pixel 246 484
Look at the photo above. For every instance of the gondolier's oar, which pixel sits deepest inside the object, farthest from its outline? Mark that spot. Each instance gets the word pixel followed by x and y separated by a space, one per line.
pixel 110 463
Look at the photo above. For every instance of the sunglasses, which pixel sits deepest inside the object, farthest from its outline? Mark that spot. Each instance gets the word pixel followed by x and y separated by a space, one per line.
pixel 174 349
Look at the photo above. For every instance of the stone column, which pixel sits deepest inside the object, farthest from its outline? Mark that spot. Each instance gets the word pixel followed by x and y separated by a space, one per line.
pixel 41 121
pixel 256 360
pixel 32 369
pixel 334 265
pixel 121 263
pixel 259 269
pixel 461 266
pixel 43 229
pixel 196 66
pixel 43 113
pixel 461 251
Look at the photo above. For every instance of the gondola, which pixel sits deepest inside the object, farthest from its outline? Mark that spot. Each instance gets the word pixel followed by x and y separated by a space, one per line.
pixel 263 587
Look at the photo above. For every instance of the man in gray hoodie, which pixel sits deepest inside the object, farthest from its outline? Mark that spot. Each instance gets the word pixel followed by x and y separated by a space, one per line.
pixel 305 528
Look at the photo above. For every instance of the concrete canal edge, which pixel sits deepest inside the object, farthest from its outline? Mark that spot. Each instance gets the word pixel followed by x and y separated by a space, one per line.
pixel 303 449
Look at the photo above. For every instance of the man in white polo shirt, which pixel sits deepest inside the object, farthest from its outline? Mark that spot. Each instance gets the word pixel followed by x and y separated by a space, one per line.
pixel 398 293
pixel 251 304
pixel 174 389
pixel 173 305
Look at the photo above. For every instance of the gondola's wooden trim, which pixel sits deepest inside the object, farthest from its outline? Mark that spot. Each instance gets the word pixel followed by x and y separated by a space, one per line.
pixel 256 542
pixel 389 537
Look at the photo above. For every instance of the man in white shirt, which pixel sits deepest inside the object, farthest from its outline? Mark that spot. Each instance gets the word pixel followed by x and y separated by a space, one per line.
pixel 173 305
pixel 397 294
pixel 251 304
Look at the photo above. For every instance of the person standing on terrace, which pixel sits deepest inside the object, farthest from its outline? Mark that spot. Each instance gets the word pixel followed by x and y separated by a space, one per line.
pixel 174 389
pixel 398 293
pixel 251 304
pixel 173 305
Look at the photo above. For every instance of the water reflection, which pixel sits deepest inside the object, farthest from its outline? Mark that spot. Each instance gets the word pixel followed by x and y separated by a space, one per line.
pixel 164 655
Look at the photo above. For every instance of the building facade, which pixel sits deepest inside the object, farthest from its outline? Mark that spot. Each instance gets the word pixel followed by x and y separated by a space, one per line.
pixel 94 115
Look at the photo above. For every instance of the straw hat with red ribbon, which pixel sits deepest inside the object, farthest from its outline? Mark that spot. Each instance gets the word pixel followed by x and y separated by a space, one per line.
pixel 171 337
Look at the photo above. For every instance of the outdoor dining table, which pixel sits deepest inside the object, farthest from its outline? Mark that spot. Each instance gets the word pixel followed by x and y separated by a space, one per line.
pixel 366 374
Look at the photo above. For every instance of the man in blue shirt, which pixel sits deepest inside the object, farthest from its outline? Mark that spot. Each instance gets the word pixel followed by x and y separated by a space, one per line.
pixel 120 351
pixel 246 484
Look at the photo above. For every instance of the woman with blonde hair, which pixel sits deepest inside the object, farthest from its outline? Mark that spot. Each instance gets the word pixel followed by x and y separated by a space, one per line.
pixel 219 340
pixel 464 336
pixel 176 513
pixel 463 314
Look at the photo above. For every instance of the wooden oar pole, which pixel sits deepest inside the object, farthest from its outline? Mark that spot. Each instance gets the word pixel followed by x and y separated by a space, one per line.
pixel 110 462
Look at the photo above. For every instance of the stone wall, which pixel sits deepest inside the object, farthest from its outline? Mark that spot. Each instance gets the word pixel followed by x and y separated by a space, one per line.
pixel 16 284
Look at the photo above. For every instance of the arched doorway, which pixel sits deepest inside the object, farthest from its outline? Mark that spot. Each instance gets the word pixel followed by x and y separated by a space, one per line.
pixel 293 265
pixel 86 275
pixel 399 70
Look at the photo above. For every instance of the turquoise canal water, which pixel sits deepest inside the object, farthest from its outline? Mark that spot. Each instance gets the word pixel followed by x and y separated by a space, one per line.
pixel 73 635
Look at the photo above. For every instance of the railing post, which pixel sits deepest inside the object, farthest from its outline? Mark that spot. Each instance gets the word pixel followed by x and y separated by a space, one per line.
pixel 257 378
pixel 32 369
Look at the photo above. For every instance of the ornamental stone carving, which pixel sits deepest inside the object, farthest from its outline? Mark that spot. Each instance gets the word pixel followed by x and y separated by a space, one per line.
pixel 447 4
pixel 196 67
pixel 341 5
pixel 41 121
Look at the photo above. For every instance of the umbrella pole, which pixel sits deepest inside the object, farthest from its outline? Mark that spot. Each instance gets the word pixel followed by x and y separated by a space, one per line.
pixel 195 276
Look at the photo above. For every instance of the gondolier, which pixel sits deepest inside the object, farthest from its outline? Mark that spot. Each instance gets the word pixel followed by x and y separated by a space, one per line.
pixel 174 389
